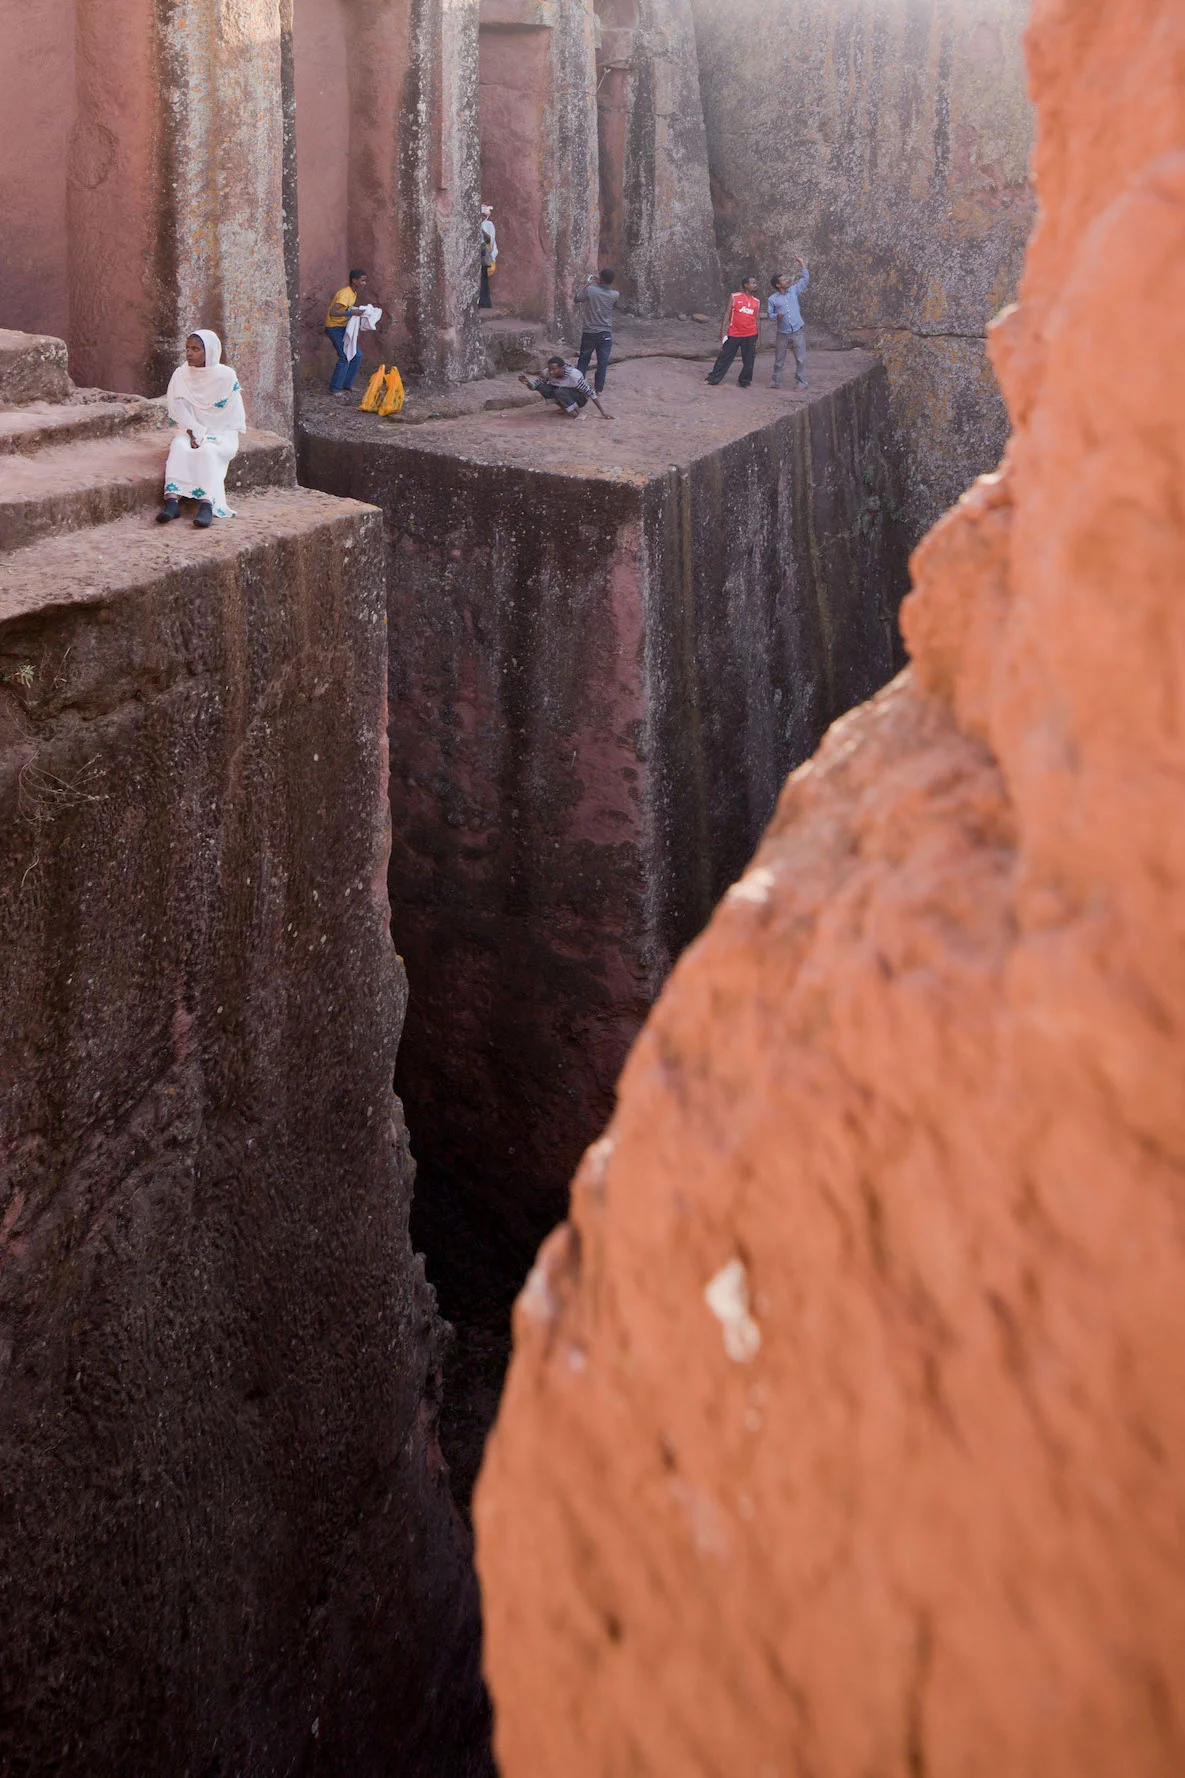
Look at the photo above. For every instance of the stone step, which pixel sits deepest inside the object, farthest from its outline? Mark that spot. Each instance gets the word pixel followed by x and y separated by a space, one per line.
pixel 511 344
pixel 95 481
pixel 33 367
pixel 24 430
pixel 130 553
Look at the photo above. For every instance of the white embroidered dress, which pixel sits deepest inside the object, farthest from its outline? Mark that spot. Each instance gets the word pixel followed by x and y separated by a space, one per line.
pixel 209 404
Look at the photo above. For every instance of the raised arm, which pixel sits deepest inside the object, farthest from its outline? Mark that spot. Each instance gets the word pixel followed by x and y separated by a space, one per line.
pixel 804 280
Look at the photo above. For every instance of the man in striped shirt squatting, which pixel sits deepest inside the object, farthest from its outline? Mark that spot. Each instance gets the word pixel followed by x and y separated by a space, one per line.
pixel 738 332
pixel 563 384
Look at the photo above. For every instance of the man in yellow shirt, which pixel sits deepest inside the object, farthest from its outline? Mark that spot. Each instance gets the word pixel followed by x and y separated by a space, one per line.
pixel 345 304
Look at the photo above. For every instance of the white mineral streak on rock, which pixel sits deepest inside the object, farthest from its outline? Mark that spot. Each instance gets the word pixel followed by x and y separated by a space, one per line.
pixel 756 887
pixel 537 1299
pixel 727 1295
pixel 596 1164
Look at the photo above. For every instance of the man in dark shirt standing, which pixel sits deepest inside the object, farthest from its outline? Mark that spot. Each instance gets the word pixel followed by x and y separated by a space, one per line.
pixel 598 299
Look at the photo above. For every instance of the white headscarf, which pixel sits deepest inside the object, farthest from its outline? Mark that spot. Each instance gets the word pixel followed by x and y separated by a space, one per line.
pixel 207 400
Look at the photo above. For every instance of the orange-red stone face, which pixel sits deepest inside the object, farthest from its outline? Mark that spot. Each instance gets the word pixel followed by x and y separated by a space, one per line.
pixel 516 79
pixel 322 56
pixel 387 170
pixel 78 192
pixel 142 188
pixel 845 1430
pixel 36 106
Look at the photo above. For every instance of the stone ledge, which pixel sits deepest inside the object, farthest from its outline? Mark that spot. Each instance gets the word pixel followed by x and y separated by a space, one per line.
pixel 89 567
pixel 663 415
pixel 518 14
pixel 30 428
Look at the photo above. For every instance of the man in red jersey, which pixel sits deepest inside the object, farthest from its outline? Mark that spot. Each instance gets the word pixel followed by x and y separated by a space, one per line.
pixel 738 332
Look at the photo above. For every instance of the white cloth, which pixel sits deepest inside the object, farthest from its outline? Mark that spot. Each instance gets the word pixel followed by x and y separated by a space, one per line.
pixel 209 404
pixel 490 235
pixel 366 322
pixel 201 474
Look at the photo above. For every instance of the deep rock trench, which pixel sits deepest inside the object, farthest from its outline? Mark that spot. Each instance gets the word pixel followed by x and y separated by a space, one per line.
pixel 597 685
pixel 477 1270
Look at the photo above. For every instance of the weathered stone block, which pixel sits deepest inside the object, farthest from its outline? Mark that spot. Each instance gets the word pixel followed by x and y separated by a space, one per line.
pixel 227 1533
pixel 33 367
pixel 608 644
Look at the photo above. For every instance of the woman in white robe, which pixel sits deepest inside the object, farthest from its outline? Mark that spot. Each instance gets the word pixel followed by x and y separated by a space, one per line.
pixel 206 404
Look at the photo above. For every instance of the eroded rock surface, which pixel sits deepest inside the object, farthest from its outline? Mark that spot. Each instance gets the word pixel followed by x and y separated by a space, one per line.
pixel 845 1432
pixel 889 143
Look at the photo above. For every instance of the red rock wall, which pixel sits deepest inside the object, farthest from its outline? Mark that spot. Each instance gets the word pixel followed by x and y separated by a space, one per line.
pixel 656 207
pixel 36 112
pixel 517 174
pixel 537 118
pixel 220 84
pixel 888 141
pixel 386 137
pixel 845 1429
pixel 77 192
pixel 323 151
pixel 144 188
pixel 126 325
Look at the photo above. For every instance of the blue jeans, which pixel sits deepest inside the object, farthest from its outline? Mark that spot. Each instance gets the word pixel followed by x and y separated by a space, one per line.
pixel 346 369
pixel 602 345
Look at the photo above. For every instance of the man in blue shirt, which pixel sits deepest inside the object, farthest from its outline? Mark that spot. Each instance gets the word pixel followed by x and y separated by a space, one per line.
pixel 783 308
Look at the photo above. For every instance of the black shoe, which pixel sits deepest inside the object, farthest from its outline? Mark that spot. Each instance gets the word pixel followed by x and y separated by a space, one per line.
pixel 205 515
pixel 170 510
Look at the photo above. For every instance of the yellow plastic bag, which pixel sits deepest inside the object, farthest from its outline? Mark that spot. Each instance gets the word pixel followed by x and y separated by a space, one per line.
pixel 393 399
pixel 374 392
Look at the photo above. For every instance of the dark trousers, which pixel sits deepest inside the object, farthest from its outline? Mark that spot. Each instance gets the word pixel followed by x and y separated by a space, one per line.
pixel 747 345
pixel 484 300
pixel 566 398
pixel 346 369
pixel 602 345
